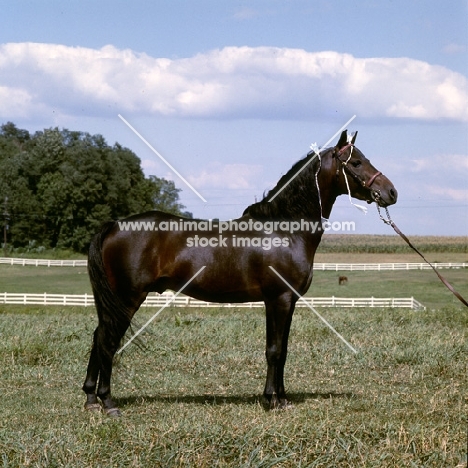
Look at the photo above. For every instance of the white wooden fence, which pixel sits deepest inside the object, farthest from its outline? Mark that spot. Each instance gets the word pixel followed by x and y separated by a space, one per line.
pixel 317 266
pixel 385 266
pixel 159 300
pixel 42 262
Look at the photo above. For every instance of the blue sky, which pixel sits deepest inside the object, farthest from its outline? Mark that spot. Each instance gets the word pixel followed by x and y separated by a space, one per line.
pixel 233 93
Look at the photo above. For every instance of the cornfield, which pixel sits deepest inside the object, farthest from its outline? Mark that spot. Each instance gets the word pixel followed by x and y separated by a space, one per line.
pixel 354 243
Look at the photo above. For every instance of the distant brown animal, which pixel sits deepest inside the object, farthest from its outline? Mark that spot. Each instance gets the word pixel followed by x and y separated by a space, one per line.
pixel 342 280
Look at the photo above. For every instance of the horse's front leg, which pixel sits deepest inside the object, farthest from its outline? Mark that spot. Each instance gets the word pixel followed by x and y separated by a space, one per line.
pixel 279 314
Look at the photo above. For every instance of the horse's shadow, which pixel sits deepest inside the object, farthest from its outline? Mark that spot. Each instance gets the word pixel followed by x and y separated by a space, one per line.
pixel 219 400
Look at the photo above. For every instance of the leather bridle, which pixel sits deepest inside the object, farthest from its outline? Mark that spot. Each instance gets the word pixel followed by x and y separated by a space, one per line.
pixel 375 194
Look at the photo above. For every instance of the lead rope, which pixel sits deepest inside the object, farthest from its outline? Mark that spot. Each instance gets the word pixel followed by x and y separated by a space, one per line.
pixel 395 228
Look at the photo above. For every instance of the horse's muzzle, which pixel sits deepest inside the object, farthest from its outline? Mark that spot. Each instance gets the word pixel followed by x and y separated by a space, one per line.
pixel 384 196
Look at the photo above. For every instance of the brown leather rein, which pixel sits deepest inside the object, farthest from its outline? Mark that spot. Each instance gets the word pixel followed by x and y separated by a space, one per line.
pixel 395 228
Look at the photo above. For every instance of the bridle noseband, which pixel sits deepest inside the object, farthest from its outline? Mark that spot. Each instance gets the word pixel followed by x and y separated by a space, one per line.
pixel 375 194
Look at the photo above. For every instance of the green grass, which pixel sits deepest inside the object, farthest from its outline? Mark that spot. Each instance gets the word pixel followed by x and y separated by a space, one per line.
pixel 192 398
pixel 40 279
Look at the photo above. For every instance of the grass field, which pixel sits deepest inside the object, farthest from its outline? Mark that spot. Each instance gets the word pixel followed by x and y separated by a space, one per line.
pixel 423 285
pixel 192 397
pixel 53 280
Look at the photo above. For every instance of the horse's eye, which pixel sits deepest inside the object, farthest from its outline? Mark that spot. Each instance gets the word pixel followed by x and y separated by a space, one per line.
pixel 356 163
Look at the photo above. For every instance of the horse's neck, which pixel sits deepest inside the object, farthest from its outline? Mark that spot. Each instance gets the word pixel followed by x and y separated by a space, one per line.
pixel 328 200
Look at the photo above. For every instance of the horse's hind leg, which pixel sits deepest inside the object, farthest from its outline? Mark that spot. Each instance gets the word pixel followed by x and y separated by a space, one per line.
pixel 100 369
pixel 108 344
pixel 92 373
pixel 106 341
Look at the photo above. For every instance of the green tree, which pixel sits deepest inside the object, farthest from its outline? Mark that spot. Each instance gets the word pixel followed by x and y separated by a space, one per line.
pixel 62 185
pixel 165 196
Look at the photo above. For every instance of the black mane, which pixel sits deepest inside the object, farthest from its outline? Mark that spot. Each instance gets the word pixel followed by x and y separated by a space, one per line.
pixel 299 199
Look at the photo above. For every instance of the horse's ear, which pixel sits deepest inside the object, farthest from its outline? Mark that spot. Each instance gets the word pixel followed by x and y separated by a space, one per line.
pixel 343 141
pixel 353 138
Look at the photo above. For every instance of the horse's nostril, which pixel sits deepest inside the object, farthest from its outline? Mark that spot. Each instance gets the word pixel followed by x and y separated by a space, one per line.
pixel 393 194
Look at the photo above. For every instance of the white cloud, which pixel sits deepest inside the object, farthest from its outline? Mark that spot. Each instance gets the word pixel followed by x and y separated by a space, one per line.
pixel 439 177
pixel 149 166
pixel 451 193
pixel 453 48
pixel 229 176
pixel 442 164
pixel 14 102
pixel 246 14
pixel 216 175
pixel 264 82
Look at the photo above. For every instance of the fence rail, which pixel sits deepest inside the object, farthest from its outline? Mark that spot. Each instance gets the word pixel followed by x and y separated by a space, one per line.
pixel 159 300
pixel 42 262
pixel 386 266
pixel 317 266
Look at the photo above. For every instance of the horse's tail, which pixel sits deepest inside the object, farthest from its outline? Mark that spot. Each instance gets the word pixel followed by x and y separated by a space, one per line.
pixel 114 317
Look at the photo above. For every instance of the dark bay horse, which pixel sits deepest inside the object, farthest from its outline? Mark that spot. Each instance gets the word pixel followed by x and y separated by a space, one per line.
pixel 130 258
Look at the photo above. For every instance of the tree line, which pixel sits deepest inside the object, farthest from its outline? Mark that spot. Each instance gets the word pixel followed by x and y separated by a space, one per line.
pixel 58 186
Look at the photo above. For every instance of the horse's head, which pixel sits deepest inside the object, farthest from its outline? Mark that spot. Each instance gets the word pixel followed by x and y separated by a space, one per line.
pixel 365 182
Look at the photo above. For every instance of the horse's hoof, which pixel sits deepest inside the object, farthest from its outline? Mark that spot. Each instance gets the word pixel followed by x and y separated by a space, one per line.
pixel 286 405
pixel 92 407
pixel 113 412
pixel 274 403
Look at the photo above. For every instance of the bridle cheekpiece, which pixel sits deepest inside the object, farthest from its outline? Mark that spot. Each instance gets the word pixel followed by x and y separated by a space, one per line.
pixel 375 194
